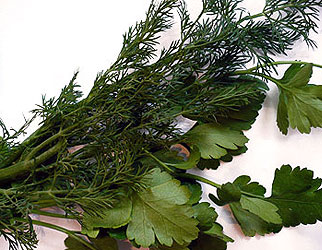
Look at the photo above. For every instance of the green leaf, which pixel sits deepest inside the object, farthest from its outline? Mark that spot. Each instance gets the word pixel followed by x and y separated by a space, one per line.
pixel 300 104
pixel 205 214
pixel 114 217
pixel 208 164
pixel 264 209
pixel 161 212
pixel 118 233
pixel 214 163
pixel 101 243
pixel 244 117
pixel 214 140
pixel 244 184
pixel 178 159
pixel 297 195
pixel 207 242
pixel 90 231
pixel 229 192
pixel 217 231
pixel 250 223
pixel 196 192
pixel 175 246
pixel 247 202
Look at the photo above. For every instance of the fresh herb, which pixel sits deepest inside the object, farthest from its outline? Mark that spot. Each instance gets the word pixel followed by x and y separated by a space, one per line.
pixel 117 162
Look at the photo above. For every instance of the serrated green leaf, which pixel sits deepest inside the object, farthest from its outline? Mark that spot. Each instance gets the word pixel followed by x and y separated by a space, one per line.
pixel 250 223
pixel 161 212
pixel 214 163
pixel 245 116
pixel 297 75
pixel 101 243
pixel 264 209
pixel 297 195
pixel 208 164
pixel 205 214
pixel 300 104
pixel 217 231
pixel 114 217
pixel 228 192
pixel 214 140
pixel 90 231
pixel 196 192
pixel 247 202
pixel 244 184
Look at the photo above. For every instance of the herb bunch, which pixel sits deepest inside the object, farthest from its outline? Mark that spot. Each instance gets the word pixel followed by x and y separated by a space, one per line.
pixel 110 160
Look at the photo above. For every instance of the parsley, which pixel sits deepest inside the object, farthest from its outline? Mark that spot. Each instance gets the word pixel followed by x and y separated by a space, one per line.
pixel 116 160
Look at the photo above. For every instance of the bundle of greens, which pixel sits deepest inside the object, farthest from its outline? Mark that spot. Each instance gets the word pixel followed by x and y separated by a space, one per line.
pixel 117 162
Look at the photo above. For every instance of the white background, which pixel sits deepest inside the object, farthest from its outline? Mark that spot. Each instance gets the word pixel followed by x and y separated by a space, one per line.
pixel 43 42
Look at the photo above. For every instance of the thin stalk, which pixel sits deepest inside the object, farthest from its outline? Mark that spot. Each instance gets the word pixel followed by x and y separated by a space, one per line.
pixel 185 175
pixel 264 13
pixel 272 79
pixel 199 178
pixel 49 214
pixel 162 164
pixel 194 177
pixel 60 229
pixel 238 72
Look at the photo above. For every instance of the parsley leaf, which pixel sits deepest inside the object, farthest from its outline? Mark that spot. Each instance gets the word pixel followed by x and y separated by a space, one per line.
pixel 205 214
pixel 250 208
pixel 217 231
pixel 300 103
pixel 161 211
pixel 296 199
pixel 214 140
pixel 196 192
pixel 114 217
pixel 206 242
pixel 214 163
pixel 264 209
pixel 250 223
pixel 175 246
pixel 100 243
pixel 297 195
pixel 244 117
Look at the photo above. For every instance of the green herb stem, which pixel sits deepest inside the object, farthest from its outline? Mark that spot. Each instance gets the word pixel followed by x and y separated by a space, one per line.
pixel 183 175
pixel 60 229
pixel 211 183
pixel 162 164
pixel 272 79
pixel 41 146
pixel 247 71
pixel 265 13
pixel 199 178
pixel 23 167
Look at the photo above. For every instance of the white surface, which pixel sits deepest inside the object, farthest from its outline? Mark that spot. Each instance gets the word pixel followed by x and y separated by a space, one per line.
pixel 43 42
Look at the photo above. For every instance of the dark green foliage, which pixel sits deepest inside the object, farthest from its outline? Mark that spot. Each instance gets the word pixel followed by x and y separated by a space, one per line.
pixel 100 243
pixel 299 102
pixel 297 195
pixel 296 199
